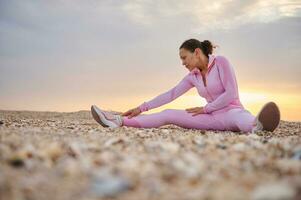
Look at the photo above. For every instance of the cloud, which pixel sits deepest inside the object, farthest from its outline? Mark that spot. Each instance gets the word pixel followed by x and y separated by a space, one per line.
pixel 208 16
pixel 54 26
pixel 71 48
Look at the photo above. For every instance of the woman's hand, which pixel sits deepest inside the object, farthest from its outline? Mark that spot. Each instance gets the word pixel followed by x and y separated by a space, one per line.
pixel 195 110
pixel 132 112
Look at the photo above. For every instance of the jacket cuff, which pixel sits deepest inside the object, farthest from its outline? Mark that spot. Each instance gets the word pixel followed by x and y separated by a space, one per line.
pixel 144 107
pixel 205 109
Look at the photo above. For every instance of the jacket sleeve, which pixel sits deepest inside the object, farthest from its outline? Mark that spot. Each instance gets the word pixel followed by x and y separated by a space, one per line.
pixel 183 86
pixel 228 79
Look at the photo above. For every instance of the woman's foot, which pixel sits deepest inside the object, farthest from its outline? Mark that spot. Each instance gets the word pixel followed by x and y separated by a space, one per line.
pixel 106 119
pixel 268 118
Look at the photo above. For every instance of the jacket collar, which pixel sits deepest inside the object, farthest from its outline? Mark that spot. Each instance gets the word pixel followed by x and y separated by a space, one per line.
pixel 211 63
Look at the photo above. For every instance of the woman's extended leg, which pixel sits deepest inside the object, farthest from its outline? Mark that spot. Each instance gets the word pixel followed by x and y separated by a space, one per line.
pixel 177 117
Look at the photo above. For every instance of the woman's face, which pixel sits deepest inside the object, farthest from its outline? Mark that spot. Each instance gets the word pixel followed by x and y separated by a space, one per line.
pixel 192 60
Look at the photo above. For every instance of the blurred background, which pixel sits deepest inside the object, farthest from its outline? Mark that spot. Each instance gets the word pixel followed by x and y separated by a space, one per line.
pixel 64 55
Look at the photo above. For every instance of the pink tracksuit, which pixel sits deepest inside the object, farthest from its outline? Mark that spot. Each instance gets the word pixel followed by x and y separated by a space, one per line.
pixel 223 110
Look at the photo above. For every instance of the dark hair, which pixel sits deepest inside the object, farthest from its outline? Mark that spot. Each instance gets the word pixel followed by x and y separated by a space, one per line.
pixel 191 44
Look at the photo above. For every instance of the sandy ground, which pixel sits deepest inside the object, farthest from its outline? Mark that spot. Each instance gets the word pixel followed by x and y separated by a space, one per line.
pixel 51 155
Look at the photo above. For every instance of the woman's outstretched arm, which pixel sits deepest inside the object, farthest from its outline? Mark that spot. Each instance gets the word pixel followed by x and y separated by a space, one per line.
pixel 183 86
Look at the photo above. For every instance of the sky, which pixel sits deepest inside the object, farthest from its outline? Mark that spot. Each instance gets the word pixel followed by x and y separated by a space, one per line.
pixel 65 55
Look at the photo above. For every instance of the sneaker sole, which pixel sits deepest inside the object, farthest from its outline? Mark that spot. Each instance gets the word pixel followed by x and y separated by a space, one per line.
pixel 269 116
pixel 97 117
pixel 100 118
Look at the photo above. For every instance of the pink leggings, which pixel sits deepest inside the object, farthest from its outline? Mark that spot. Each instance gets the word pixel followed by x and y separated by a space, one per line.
pixel 233 120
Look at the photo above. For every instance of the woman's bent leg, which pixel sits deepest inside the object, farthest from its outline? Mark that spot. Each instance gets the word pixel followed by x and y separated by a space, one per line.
pixel 177 117
pixel 238 120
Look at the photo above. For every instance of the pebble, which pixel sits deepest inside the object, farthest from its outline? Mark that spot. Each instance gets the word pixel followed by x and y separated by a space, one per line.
pixel 165 131
pixel 253 136
pixel 170 147
pixel 53 151
pixel 108 185
pixel 221 146
pixel 289 166
pixel 199 141
pixel 16 162
pixel 113 141
pixel 69 167
pixel 297 155
pixel 239 147
pixel 274 191
pixel 129 163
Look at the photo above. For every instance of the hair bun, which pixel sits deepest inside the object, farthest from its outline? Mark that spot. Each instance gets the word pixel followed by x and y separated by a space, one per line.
pixel 208 47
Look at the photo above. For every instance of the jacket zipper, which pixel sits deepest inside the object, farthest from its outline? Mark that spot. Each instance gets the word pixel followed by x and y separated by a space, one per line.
pixel 209 68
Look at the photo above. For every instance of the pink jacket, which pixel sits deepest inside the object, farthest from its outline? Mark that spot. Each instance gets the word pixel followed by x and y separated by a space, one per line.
pixel 221 92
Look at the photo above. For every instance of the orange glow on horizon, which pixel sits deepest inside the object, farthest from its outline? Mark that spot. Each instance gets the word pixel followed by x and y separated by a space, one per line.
pixel 289 103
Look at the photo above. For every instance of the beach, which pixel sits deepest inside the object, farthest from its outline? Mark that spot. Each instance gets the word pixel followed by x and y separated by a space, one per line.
pixel 56 155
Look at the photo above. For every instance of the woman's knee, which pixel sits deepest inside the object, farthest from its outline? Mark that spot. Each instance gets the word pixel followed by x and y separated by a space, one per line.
pixel 242 119
pixel 167 115
pixel 245 125
pixel 167 111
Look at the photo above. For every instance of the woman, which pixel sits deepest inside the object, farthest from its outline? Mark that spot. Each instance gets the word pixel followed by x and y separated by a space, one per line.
pixel 214 78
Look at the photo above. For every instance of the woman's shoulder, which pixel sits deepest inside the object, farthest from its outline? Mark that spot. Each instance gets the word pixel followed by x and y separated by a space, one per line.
pixel 220 58
pixel 222 61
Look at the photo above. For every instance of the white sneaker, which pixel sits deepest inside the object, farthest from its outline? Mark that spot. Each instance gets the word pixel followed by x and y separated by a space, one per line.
pixel 268 118
pixel 106 119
